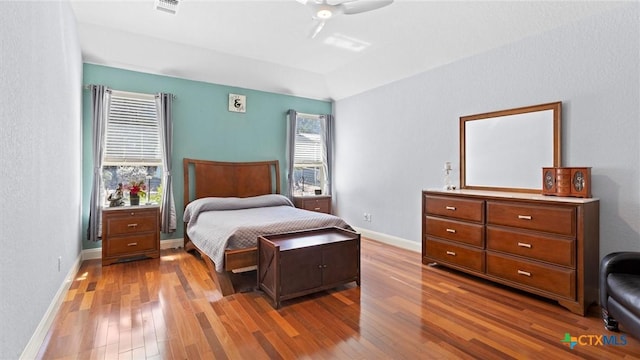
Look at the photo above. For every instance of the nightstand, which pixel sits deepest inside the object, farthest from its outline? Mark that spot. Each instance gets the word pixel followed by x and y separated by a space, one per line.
pixel 319 203
pixel 130 232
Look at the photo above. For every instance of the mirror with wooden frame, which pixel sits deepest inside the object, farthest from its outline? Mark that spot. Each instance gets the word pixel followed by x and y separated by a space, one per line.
pixel 506 150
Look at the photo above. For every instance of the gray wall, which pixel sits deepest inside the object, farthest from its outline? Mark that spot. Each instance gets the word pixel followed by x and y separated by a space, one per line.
pixel 40 154
pixel 392 142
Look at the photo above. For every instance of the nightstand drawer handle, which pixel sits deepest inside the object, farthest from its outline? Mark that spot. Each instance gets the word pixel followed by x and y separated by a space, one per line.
pixel 453 231
pixel 525 245
pixel 451 253
pixel 453 208
pixel 132 244
pixel 524 217
pixel 132 225
pixel 316 209
pixel 525 273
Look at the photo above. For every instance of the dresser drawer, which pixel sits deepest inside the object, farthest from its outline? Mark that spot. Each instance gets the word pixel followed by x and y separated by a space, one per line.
pixel 463 209
pixel 551 279
pixel 139 222
pixel 459 255
pixel 468 233
pixel 130 245
pixel 552 219
pixel 561 251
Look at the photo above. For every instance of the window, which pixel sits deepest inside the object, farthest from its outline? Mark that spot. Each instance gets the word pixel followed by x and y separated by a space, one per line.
pixel 310 159
pixel 132 149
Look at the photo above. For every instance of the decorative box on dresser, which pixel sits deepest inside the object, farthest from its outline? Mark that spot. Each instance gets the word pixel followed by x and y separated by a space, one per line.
pixel 130 232
pixel 548 246
pixel 319 203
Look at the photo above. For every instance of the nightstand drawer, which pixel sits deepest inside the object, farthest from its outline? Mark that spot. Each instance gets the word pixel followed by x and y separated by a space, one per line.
pixel 314 203
pixel 131 224
pixel 131 245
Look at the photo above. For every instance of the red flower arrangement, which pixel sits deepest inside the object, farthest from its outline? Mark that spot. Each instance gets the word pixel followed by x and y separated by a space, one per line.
pixel 137 188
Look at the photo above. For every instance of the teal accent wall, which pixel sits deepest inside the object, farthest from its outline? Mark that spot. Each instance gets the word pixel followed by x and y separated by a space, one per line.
pixel 203 127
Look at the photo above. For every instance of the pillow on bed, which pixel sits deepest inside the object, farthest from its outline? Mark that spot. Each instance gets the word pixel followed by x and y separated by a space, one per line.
pixel 233 203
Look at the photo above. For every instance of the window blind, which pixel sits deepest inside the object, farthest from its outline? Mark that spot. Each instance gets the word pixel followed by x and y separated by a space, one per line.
pixel 132 134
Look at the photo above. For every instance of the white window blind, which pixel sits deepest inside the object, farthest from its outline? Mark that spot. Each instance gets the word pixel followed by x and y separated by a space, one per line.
pixel 133 135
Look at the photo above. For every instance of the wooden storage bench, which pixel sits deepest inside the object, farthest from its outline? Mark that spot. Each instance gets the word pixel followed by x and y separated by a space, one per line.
pixel 299 263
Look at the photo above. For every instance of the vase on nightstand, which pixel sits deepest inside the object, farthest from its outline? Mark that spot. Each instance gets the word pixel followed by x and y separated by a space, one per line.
pixel 134 199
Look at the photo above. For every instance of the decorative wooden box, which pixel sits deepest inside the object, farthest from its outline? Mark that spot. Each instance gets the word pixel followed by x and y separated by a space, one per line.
pixel 567 181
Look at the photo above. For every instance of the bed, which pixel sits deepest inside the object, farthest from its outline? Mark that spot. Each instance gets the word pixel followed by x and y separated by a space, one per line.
pixel 229 204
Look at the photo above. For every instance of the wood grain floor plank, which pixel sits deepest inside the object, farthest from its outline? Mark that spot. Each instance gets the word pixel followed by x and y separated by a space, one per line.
pixel 170 308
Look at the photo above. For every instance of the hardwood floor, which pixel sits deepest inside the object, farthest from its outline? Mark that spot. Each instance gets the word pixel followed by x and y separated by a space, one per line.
pixel 169 308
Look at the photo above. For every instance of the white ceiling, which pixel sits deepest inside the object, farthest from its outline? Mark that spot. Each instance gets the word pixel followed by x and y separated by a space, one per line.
pixel 265 45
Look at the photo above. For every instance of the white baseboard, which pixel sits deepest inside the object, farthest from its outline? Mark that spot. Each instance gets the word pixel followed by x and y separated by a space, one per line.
pixel 96 253
pixel 391 240
pixel 34 344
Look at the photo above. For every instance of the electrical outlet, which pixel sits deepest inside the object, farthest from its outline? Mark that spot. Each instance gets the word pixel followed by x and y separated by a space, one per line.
pixel 59 263
pixel 367 217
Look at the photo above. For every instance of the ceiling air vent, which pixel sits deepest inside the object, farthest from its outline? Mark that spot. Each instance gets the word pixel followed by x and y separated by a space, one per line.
pixel 170 6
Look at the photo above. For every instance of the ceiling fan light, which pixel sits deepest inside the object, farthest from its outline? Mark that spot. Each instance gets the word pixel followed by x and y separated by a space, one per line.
pixel 323 14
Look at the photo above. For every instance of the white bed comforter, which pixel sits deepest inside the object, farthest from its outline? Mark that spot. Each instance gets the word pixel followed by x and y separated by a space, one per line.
pixel 217 224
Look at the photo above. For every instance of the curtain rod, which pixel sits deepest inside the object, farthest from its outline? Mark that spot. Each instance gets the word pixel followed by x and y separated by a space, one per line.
pixel 88 87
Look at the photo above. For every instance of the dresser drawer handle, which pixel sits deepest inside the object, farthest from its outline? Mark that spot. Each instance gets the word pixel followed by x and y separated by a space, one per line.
pixel 452 208
pixel 451 253
pixel 525 273
pixel 524 245
pixel 316 209
pixel 453 231
pixel 132 244
pixel 132 225
pixel 524 217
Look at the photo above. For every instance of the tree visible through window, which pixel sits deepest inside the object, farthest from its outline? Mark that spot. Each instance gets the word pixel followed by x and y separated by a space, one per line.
pixel 132 151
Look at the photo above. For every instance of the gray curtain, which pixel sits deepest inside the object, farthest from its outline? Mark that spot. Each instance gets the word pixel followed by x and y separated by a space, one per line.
pixel 291 142
pixel 167 203
pixel 100 99
pixel 327 137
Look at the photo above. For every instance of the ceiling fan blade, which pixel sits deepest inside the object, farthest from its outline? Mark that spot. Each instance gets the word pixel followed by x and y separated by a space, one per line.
pixel 363 6
pixel 317 29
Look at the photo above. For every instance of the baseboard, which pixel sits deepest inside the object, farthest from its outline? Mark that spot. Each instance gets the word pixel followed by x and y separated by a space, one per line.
pixel 35 343
pixel 391 240
pixel 96 253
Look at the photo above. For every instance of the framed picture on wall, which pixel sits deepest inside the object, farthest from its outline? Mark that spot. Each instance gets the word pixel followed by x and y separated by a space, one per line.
pixel 237 103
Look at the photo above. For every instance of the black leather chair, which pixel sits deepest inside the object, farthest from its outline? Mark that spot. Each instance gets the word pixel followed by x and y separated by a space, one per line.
pixel 620 291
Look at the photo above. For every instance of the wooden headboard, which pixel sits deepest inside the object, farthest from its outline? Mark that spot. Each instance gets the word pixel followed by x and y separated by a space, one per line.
pixel 229 179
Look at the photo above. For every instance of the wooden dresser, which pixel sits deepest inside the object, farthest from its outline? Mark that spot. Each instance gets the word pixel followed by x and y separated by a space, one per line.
pixel 319 203
pixel 548 246
pixel 130 232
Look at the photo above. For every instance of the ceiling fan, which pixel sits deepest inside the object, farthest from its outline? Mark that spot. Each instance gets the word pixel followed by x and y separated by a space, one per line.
pixel 323 10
